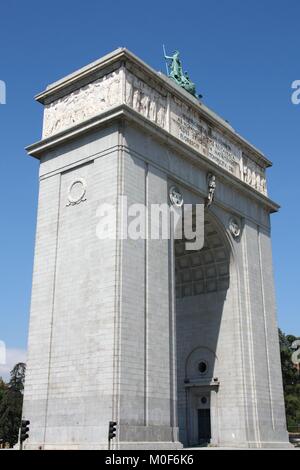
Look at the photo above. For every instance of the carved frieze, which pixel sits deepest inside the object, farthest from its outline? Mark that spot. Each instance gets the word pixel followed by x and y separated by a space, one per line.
pixel 173 114
pixel 82 104
pixel 145 100
pixel 254 175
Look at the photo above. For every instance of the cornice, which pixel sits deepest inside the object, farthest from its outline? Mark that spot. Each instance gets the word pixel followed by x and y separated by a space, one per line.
pixel 112 61
pixel 124 112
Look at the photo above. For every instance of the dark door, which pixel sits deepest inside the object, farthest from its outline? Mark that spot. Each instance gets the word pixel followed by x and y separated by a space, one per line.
pixel 204 431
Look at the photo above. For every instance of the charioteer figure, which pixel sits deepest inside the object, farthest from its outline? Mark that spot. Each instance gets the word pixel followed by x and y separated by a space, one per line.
pixel 175 72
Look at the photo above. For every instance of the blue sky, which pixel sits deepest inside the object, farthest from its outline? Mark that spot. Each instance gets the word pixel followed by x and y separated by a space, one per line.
pixel 243 56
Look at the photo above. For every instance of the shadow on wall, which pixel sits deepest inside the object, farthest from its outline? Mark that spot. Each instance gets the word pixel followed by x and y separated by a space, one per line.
pixel 202 282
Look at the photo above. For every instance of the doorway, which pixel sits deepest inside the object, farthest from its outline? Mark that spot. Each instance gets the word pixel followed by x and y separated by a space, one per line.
pixel 204 426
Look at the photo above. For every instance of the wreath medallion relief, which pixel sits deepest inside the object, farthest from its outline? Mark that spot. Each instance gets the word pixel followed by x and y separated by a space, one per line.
pixel 76 192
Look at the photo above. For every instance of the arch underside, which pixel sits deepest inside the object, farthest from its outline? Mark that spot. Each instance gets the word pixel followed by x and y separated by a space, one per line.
pixel 203 271
pixel 202 285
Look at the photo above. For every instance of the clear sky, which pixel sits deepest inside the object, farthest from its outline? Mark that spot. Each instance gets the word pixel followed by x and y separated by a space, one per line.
pixel 243 56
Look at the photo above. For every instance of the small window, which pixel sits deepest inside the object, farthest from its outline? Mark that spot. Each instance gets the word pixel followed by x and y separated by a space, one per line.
pixel 203 400
pixel 202 367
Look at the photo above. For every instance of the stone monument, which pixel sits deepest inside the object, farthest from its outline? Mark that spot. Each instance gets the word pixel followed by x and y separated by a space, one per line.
pixel 178 347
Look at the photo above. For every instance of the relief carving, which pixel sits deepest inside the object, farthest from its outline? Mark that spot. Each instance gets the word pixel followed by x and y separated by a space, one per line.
pixel 254 175
pixel 186 123
pixel 234 227
pixel 76 192
pixel 211 189
pixel 82 104
pixel 175 196
pixel 145 100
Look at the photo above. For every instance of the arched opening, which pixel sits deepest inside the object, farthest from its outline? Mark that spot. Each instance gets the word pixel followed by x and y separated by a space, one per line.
pixel 202 285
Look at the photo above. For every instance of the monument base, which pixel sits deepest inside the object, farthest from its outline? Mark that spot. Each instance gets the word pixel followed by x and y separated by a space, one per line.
pixel 271 445
pixel 114 446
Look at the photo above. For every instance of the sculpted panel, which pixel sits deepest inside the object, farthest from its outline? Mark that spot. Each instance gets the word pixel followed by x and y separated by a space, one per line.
pixel 82 104
pixel 254 175
pixel 181 120
pixel 145 100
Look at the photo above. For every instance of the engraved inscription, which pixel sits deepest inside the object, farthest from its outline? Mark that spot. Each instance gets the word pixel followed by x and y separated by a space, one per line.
pixel 186 125
pixel 192 130
pixel 189 127
pixel 224 153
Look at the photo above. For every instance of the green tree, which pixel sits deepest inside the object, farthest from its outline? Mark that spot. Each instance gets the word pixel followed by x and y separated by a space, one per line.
pixel 17 377
pixel 11 400
pixel 291 381
pixel 3 387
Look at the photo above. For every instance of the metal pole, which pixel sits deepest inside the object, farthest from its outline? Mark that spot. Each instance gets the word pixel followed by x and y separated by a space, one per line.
pixel 21 442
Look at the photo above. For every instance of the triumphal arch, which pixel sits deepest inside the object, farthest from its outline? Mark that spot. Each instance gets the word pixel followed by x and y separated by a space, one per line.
pixel 179 347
